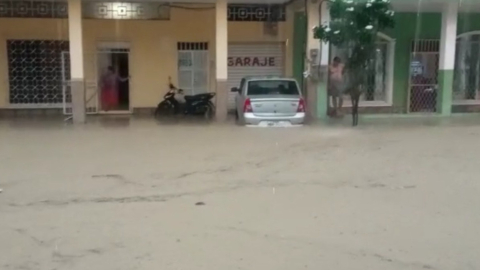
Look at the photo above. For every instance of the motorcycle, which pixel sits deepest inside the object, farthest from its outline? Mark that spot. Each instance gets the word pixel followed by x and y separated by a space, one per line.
pixel 199 104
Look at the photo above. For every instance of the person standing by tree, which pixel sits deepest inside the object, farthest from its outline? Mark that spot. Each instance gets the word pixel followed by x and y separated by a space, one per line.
pixel 336 85
pixel 354 25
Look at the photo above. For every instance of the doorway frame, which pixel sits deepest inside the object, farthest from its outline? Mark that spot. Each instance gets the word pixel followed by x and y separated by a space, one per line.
pixel 107 47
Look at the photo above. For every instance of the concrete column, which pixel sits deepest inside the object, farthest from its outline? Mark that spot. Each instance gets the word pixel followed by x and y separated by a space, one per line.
pixel 322 92
pixel 313 62
pixel 77 84
pixel 221 55
pixel 447 58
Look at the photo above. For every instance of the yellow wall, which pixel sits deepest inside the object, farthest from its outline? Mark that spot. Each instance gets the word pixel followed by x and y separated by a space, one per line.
pixel 153 51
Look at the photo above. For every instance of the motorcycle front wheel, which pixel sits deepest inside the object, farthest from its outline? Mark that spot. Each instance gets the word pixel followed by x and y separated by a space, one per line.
pixel 209 111
pixel 164 109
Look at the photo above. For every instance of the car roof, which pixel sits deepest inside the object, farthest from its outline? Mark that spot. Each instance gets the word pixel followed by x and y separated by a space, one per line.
pixel 257 78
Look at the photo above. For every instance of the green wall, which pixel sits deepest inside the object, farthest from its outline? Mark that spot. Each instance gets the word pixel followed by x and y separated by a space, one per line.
pixel 468 22
pixel 299 42
pixel 411 26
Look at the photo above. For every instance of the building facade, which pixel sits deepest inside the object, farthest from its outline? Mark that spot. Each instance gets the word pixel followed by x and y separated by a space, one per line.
pixel 56 50
pixel 53 54
pixel 428 64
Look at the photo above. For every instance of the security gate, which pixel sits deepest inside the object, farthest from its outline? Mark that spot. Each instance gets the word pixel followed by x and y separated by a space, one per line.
pixel 66 90
pixel 423 76
pixel 91 84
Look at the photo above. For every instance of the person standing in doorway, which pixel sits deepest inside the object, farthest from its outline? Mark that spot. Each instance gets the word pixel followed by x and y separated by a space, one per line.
pixel 109 89
pixel 336 85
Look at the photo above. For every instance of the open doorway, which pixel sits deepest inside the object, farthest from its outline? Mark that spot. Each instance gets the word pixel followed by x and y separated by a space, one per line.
pixel 114 97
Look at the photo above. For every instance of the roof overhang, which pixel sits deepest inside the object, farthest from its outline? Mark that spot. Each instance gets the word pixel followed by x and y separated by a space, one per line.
pixel 199 1
pixel 434 5
pixel 398 5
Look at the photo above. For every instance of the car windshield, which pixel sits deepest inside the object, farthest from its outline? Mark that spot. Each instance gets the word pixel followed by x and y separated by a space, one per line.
pixel 272 87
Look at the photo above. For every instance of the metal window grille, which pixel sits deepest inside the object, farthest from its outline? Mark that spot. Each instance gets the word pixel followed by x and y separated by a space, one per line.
pixel 193 67
pixel 423 78
pixel 35 71
pixel 467 69
pixel 66 87
pixel 91 82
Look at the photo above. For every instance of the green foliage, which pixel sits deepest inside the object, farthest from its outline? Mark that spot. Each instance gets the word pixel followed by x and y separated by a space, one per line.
pixel 354 25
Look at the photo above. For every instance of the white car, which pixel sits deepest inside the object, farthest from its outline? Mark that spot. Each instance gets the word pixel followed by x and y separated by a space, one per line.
pixel 269 101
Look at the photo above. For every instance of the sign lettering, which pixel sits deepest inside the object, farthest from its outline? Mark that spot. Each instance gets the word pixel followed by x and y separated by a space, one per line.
pixel 251 61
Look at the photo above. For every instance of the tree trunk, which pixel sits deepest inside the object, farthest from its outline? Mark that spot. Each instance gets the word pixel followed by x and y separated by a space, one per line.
pixel 355 97
pixel 358 81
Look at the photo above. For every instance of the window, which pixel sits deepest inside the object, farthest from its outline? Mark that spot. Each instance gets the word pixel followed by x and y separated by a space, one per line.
pixel 35 71
pixel 193 67
pixel 272 87
pixel 379 74
pixel 467 69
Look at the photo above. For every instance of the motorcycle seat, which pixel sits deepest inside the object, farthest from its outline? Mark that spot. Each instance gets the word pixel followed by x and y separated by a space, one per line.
pixel 190 97
pixel 199 96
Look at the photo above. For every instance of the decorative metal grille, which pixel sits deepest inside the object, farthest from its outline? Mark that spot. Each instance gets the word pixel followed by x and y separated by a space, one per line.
pixel 424 65
pixel 33 9
pixel 193 67
pixel 66 78
pixel 256 13
pixel 192 46
pixel 467 69
pixel 35 71
pixel 98 10
pixel 91 84
pixel 126 10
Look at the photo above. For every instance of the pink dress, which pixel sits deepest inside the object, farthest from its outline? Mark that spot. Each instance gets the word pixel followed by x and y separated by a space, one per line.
pixel 109 97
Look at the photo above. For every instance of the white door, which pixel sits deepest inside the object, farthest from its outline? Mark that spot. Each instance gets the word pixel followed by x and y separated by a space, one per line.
pixel 253 59
pixel 193 67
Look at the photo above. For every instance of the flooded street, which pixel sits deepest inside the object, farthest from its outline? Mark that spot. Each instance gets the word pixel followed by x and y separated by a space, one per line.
pixel 133 194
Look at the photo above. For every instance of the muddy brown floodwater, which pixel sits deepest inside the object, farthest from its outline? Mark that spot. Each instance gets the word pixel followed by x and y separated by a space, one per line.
pixel 134 194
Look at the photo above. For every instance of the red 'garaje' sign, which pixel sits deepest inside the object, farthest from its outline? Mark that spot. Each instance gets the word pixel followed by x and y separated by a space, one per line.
pixel 251 61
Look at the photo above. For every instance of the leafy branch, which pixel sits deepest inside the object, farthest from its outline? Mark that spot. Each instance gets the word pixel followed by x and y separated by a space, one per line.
pixel 354 25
